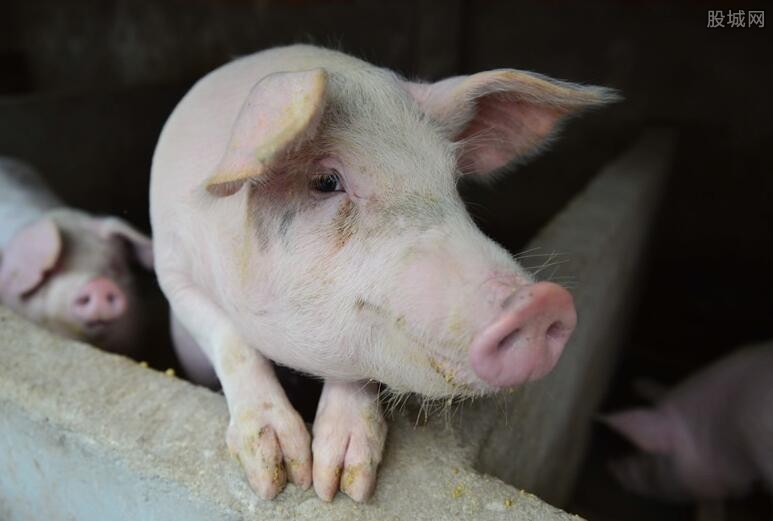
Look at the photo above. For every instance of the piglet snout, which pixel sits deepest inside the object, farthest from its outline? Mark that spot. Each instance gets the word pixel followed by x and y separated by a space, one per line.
pixel 99 300
pixel 525 341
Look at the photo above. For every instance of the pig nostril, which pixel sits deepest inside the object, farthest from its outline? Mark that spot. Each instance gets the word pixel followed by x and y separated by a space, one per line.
pixel 83 300
pixel 110 298
pixel 508 340
pixel 555 331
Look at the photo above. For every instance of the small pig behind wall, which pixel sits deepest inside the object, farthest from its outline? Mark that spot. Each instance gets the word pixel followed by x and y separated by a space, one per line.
pixel 709 438
pixel 305 210
pixel 65 269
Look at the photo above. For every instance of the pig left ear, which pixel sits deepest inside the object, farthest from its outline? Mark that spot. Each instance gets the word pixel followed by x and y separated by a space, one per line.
pixel 141 244
pixel 650 430
pixel 502 116
pixel 281 112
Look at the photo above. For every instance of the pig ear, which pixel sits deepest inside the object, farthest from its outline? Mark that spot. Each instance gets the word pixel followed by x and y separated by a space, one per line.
pixel 141 244
pixel 282 111
pixel 30 255
pixel 650 430
pixel 501 116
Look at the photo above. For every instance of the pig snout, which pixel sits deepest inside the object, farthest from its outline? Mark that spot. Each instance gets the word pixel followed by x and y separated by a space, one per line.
pixel 525 341
pixel 99 300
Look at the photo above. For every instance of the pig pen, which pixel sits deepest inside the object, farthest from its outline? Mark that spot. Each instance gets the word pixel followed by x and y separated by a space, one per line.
pixel 87 435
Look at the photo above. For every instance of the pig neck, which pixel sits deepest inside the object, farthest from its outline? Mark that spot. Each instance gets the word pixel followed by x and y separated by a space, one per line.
pixel 24 198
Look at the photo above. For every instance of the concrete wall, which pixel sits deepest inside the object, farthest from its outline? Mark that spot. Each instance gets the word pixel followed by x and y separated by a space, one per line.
pixel 87 435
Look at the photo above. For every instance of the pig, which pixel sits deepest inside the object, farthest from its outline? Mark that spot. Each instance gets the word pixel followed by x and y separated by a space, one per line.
pixel 710 438
pixel 64 269
pixel 305 211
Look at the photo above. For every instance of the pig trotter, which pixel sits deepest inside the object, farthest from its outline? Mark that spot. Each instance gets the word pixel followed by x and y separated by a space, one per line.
pixel 349 435
pixel 265 433
pixel 271 443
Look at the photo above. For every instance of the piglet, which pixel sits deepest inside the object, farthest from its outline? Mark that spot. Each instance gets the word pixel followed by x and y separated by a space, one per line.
pixel 65 269
pixel 305 211
pixel 707 439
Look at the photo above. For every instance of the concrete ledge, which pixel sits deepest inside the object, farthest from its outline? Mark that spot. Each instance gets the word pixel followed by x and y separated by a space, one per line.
pixel 87 435
pixel 91 436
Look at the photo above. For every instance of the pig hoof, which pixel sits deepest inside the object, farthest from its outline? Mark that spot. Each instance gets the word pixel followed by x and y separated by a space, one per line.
pixel 347 449
pixel 271 447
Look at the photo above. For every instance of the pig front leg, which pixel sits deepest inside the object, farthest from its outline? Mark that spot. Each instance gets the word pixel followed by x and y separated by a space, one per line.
pixel 265 433
pixel 349 435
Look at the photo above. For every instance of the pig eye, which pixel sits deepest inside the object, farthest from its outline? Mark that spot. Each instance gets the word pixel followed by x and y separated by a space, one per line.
pixel 327 182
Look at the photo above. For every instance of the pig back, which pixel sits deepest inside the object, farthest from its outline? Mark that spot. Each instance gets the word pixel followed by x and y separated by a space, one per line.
pixel 24 197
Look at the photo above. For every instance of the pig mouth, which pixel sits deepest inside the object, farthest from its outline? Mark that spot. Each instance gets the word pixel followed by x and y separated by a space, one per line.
pixel 96 327
pixel 457 376
pixel 455 373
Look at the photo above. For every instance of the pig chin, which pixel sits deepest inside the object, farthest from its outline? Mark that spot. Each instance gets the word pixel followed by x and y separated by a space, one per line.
pixel 120 336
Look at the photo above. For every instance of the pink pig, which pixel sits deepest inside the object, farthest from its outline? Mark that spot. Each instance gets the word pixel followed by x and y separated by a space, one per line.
pixel 305 210
pixel 65 269
pixel 709 438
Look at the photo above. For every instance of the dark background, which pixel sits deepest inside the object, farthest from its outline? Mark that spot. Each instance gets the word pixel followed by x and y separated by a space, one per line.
pixel 85 87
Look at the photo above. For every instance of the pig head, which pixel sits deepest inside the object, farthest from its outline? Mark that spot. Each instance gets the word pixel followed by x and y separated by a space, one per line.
pixel 706 439
pixel 70 272
pixel 305 210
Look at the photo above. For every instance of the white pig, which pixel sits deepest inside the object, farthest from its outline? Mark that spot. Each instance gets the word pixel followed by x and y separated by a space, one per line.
pixel 305 210
pixel 709 438
pixel 65 269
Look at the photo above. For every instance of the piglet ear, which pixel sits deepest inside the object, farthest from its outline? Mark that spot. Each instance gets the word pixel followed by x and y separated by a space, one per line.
pixel 29 257
pixel 650 430
pixel 504 115
pixel 282 111
pixel 141 244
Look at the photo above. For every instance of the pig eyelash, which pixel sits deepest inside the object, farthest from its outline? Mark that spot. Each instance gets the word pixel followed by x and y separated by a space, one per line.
pixel 328 182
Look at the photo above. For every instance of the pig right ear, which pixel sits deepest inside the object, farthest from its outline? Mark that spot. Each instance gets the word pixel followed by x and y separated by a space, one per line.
pixel 282 111
pixel 140 244
pixel 30 255
pixel 650 430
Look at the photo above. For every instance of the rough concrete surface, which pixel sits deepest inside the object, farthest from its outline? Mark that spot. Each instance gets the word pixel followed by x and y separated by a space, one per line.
pixel 88 435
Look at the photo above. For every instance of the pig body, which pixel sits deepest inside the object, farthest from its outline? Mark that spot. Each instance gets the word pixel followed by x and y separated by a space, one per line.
pixel 304 210
pixel 64 269
pixel 709 438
